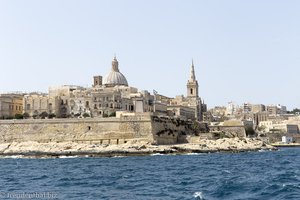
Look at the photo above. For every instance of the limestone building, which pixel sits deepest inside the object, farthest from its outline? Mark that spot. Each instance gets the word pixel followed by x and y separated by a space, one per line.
pixel 113 94
pixel 10 105
pixel 192 100
pixel 103 99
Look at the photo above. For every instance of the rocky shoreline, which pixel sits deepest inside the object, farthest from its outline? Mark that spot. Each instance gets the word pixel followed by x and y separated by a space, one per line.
pixel 134 148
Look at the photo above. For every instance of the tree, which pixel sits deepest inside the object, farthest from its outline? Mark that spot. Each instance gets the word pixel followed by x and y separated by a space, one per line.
pixel 51 115
pixel 77 115
pixel 113 114
pixel 85 115
pixel 19 116
pixel 43 115
pixel 294 111
pixel 26 115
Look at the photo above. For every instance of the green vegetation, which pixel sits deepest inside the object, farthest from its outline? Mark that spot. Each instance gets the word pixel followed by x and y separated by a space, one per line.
pixel 294 111
pixel 85 115
pixel 19 116
pixel 219 135
pixel 51 116
pixel 77 115
pixel 35 116
pixel 44 115
pixel 26 115
pixel 113 114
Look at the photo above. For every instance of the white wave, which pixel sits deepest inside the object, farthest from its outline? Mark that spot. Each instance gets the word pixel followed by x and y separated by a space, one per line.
pixel 195 154
pixel 158 154
pixel 14 157
pixel 262 150
pixel 198 195
pixel 68 157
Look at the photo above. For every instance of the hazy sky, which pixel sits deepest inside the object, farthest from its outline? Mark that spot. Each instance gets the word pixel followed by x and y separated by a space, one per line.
pixel 244 51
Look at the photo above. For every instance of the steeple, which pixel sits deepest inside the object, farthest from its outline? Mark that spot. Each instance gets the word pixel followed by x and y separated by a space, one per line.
pixel 192 85
pixel 115 64
pixel 193 77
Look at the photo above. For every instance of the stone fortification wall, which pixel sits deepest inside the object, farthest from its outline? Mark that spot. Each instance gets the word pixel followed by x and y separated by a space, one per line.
pixel 109 130
pixel 105 130
pixel 170 130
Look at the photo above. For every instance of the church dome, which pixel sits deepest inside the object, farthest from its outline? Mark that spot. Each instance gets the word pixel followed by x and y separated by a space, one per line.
pixel 115 77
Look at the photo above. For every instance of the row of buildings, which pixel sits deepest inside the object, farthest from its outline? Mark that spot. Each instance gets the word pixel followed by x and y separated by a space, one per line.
pixel 233 108
pixel 264 118
pixel 105 98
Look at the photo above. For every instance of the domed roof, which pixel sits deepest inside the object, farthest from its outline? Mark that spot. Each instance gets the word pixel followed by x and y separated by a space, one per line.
pixel 115 77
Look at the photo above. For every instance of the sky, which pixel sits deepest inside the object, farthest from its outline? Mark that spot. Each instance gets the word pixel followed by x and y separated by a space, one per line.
pixel 243 51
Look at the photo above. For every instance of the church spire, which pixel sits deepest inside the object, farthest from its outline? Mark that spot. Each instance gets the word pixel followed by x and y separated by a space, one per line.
pixel 193 77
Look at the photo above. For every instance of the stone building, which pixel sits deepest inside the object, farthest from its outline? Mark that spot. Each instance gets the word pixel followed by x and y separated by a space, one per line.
pixel 256 108
pixel 37 103
pixel 10 105
pixel 191 101
pixel 103 99
pixel 113 94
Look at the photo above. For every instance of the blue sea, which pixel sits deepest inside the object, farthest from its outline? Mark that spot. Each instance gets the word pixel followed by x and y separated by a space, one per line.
pixel 249 175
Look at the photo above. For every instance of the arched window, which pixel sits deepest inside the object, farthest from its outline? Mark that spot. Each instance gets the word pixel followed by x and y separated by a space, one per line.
pixel 192 91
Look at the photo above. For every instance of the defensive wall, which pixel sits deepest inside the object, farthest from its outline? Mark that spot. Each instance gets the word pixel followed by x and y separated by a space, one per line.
pixel 157 130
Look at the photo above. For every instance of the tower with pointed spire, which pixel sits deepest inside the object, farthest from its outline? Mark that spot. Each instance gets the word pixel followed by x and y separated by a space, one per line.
pixel 192 85
pixel 194 101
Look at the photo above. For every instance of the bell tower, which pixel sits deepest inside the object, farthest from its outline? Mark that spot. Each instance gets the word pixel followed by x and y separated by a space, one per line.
pixel 192 84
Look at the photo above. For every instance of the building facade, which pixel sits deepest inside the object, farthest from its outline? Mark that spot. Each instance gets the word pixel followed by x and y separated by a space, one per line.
pixel 10 105
pixel 111 95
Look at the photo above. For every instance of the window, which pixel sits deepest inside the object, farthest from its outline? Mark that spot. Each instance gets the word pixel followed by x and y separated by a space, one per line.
pixel 191 91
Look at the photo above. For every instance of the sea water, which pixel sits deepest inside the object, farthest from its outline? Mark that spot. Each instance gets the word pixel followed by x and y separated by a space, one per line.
pixel 249 175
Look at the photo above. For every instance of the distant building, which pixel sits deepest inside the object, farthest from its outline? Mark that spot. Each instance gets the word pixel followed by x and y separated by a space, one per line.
pixel 182 111
pixel 231 108
pixel 287 139
pixel 276 109
pixel 247 108
pixel 270 126
pixel 257 108
pixel 10 105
